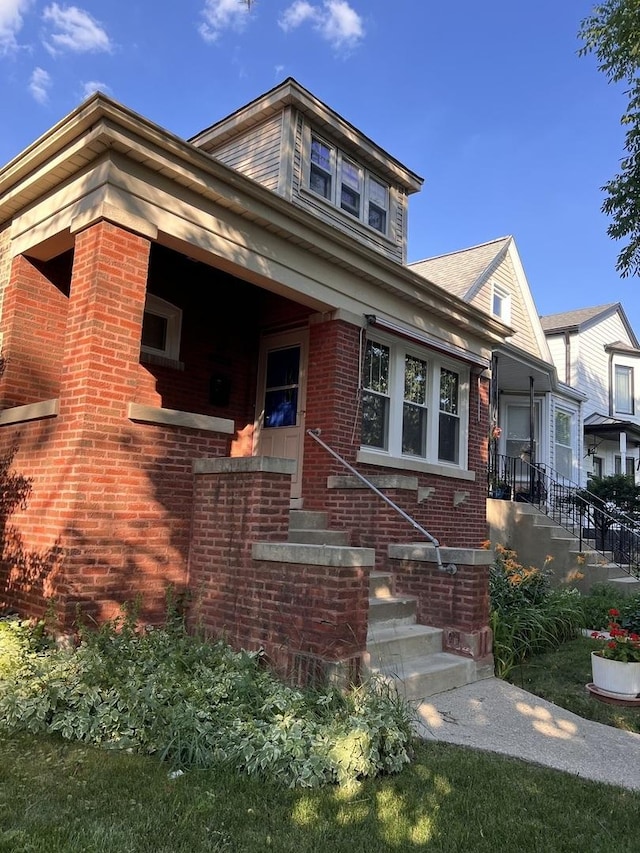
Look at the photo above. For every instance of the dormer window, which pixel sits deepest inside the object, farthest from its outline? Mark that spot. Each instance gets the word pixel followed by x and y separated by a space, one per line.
pixel 322 166
pixel 345 183
pixel 501 303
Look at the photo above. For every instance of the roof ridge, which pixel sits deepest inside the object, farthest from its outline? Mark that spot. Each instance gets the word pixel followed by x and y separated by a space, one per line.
pixel 460 251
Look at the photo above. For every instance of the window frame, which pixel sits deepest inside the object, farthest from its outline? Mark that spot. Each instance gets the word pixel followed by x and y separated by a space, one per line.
pixel 629 372
pixel 169 312
pixel 340 160
pixel 399 351
pixel 500 292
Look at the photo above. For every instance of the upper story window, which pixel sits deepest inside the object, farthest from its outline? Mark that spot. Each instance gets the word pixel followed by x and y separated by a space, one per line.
pixel 348 185
pixel 501 303
pixel 161 328
pixel 413 405
pixel 623 389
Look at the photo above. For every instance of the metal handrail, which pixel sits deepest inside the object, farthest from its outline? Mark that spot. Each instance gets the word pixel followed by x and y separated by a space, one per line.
pixel 451 569
pixel 570 506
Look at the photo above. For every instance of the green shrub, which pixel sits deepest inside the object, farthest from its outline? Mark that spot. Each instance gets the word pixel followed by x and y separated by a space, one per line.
pixel 603 597
pixel 195 704
pixel 527 615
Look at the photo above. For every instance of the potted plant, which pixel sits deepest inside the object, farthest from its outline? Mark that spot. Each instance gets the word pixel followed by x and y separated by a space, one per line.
pixel 616 666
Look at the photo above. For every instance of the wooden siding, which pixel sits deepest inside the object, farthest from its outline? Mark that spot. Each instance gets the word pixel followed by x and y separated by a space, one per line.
pixel 395 250
pixel 255 153
pixel 590 362
pixel 505 276
pixel 557 348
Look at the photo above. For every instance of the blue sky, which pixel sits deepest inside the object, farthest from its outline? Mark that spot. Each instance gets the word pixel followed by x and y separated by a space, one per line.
pixel 489 102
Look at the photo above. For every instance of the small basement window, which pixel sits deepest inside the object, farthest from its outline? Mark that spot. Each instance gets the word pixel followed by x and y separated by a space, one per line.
pixel 161 328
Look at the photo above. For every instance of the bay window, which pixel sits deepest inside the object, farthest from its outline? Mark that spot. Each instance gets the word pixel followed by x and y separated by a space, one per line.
pixel 401 387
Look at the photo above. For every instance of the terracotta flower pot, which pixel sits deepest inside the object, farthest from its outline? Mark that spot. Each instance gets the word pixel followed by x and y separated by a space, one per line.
pixel 615 676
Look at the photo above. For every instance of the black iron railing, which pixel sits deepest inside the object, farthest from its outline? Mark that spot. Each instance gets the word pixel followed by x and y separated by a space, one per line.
pixel 597 523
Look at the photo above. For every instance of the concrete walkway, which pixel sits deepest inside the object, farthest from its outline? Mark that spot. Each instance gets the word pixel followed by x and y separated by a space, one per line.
pixel 500 717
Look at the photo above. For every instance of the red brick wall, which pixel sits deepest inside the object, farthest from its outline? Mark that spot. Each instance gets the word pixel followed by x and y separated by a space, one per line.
pixel 333 406
pixel 303 616
pixel 34 314
pixel 109 513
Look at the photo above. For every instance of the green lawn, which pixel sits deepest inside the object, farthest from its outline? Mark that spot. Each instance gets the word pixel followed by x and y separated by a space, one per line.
pixel 57 797
pixel 561 676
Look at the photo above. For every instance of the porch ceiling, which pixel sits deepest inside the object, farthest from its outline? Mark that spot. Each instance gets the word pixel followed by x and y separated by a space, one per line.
pixel 514 374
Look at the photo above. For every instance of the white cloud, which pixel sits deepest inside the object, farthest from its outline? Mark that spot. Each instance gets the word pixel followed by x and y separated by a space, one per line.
pixel 11 16
pixel 75 30
pixel 39 85
pixel 221 15
pixel 297 14
pixel 336 21
pixel 92 86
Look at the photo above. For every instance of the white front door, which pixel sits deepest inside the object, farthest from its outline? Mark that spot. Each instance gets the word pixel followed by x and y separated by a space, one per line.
pixel 281 400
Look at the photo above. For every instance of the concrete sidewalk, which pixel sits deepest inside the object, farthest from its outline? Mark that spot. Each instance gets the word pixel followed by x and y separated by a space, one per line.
pixel 499 717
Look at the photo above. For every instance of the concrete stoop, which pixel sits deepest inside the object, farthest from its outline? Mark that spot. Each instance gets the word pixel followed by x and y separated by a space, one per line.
pixel 406 654
pixel 534 536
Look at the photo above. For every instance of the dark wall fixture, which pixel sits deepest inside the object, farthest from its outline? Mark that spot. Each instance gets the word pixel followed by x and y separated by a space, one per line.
pixel 219 389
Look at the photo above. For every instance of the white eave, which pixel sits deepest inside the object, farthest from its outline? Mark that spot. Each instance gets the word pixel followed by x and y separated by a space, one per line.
pixel 101 125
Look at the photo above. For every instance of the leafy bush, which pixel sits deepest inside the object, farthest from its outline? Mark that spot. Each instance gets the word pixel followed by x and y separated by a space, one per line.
pixel 527 615
pixel 197 703
pixel 603 597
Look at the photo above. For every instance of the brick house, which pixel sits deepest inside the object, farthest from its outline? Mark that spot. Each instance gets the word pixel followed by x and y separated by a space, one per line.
pixel 177 316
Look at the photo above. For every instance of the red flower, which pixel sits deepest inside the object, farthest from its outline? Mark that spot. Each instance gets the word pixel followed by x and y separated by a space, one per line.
pixel 611 644
pixel 614 612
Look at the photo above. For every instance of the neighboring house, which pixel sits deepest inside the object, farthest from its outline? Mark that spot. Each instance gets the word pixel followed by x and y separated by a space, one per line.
pixel 533 407
pixel 596 351
pixel 177 315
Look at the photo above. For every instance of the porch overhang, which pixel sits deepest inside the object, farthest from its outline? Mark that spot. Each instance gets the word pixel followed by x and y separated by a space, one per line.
pixel 609 429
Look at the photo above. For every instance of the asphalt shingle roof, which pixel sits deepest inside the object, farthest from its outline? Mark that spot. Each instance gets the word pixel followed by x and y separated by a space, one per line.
pixel 568 319
pixel 459 271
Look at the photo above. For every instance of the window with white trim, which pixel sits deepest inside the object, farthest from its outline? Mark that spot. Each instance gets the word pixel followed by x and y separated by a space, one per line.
pixel 348 185
pixel 161 328
pixel 501 303
pixel 629 466
pixel 414 403
pixel 564 443
pixel 623 389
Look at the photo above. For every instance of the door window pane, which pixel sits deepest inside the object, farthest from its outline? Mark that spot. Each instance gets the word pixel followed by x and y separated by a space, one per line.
pixel 281 392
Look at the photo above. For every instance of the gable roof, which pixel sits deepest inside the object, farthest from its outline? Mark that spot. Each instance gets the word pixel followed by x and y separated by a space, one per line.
pixel 573 321
pixel 291 93
pixel 460 271
pixel 565 320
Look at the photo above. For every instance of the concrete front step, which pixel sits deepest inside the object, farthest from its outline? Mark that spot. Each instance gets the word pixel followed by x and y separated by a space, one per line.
pixel 391 611
pixel 318 537
pixel 380 584
pixel 416 678
pixel 302 519
pixel 308 527
pixel 388 644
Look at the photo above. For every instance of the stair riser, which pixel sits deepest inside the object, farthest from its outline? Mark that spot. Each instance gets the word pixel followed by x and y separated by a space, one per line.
pixel 307 520
pixel 383 612
pixel 402 649
pixel 424 684
pixel 318 537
